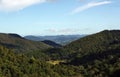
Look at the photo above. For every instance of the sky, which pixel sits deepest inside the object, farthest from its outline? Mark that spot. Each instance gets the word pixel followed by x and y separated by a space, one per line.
pixel 58 17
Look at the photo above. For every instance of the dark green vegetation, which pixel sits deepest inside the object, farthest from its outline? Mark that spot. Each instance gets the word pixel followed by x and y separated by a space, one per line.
pixel 51 43
pixel 96 55
pixel 19 44
pixel 60 39
pixel 96 43
pixel 18 65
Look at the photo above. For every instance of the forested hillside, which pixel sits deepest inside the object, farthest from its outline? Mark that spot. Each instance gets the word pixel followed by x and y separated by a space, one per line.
pixel 18 65
pixel 20 44
pixel 92 44
pixel 99 42
pixel 51 43
pixel 96 55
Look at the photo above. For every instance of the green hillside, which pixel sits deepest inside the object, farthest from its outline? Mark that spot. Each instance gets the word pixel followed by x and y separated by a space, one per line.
pixel 98 42
pixel 51 43
pixel 18 65
pixel 19 44
pixel 96 55
pixel 95 43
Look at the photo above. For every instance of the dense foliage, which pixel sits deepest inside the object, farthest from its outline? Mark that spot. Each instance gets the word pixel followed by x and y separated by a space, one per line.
pixel 51 43
pixel 97 55
pixel 96 43
pixel 18 65
pixel 19 44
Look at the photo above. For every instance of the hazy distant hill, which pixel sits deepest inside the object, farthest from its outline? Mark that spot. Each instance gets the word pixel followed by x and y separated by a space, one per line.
pixel 60 39
pixel 18 43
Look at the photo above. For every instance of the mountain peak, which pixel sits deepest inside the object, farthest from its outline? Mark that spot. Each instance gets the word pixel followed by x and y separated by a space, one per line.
pixel 14 35
pixel 110 31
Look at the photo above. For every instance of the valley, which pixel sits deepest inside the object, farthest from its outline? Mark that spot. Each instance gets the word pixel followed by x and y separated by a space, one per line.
pixel 96 55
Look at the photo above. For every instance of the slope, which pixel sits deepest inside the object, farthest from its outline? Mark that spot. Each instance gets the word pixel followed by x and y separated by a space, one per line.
pixel 18 43
pixel 18 65
pixel 98 42
pixel 51 43
pixel 101 46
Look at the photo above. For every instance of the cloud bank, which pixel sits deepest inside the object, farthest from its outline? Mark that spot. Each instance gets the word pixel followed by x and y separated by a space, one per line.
pixel 89 5
pixel 15 5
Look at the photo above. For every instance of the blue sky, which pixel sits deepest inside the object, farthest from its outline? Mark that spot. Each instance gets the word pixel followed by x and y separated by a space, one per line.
pixel 56 17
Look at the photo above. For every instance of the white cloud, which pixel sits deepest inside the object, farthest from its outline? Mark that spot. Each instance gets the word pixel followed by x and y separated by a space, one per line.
pixel 15 5
pixel 89 5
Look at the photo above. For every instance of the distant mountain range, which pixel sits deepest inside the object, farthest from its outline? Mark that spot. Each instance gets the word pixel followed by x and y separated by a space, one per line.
pixel 60 39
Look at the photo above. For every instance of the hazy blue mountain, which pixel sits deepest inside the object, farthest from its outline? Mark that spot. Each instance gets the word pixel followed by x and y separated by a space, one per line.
pixel 60 39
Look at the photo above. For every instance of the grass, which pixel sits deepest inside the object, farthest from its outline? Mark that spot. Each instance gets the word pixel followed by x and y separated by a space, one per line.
pixel 55 62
